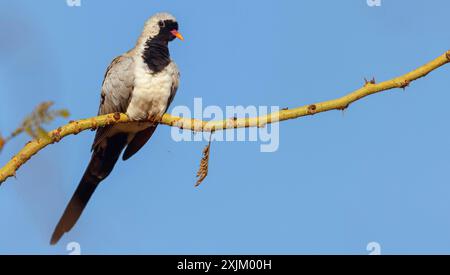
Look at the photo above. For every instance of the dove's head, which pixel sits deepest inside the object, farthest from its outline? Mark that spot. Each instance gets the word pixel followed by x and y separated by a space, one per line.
pixel 162 27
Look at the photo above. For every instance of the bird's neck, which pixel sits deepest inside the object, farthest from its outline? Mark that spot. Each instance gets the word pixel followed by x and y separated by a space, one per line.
pixel 156 54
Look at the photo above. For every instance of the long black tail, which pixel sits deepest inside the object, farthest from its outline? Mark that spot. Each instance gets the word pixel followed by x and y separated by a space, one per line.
pixel 101 164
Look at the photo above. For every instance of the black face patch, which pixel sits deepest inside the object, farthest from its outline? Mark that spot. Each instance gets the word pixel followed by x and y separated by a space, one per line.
pixel 156 53
pixel 166 27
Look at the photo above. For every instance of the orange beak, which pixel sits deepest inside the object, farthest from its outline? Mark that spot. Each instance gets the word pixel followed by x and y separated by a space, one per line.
pixel 177 34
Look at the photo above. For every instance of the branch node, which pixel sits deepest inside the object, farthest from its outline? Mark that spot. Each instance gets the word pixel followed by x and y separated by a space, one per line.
pixel 56 135
pixel 369 82
pixel 404 84
pixel 312 109
pixel 77 128
pixel 94 124
pixel 22 157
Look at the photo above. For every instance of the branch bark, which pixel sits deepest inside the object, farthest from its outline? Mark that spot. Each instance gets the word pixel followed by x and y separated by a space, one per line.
pixel 75 127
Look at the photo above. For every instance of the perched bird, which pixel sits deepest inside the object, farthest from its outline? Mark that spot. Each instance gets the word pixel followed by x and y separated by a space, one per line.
pixel 141 83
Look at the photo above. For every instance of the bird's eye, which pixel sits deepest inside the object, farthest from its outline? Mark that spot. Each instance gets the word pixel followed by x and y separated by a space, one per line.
pixel 161 24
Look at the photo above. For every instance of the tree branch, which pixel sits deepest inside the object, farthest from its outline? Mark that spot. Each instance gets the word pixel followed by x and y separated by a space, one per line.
pixel 75 127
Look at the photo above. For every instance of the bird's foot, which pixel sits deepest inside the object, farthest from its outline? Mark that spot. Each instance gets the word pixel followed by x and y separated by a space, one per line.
pixel 154 119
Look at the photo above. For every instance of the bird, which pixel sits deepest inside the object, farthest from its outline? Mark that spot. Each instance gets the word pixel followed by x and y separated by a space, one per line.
pixel 140 83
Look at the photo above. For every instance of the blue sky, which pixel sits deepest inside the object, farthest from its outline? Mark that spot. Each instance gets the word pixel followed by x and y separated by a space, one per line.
pixel 378 172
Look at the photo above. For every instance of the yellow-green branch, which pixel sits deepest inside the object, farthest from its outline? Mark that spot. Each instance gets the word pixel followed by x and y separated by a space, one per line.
pixel 75 127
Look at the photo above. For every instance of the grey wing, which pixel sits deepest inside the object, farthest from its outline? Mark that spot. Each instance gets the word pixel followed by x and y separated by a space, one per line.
pixel 175 83
pixel 116 91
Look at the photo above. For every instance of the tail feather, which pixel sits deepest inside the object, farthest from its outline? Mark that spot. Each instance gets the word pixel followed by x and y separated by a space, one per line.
pixel 100 166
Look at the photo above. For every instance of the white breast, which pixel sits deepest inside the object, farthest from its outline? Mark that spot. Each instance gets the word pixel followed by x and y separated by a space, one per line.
pixel 151 91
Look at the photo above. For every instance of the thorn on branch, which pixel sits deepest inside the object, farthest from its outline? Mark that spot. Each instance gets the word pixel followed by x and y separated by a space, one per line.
pixel 262 124
pixel 343 107
pixel 234 119
pixel 284 109
pixel 369 82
